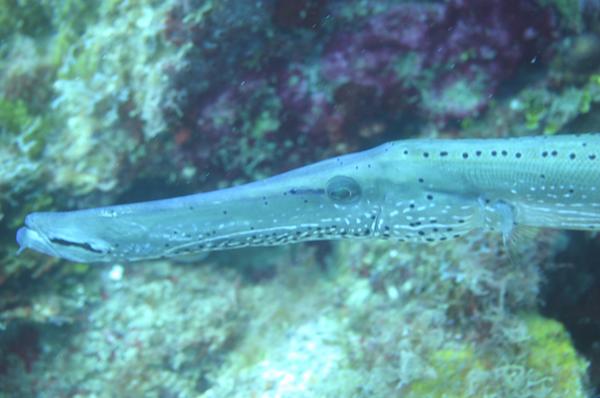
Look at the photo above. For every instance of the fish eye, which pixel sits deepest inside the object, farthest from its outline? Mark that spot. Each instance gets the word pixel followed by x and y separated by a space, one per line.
pixel 343 190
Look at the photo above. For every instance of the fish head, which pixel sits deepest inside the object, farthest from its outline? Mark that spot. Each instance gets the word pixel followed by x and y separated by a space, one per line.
pixel 343 197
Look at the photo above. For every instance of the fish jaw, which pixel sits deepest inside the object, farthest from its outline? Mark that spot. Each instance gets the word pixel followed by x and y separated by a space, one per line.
pixel 37 235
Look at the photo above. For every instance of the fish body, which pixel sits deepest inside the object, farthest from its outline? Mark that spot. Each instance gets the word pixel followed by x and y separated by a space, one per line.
pixel 411 190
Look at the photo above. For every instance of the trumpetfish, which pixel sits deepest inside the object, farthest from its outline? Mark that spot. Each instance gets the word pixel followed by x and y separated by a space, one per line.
pixel 411 190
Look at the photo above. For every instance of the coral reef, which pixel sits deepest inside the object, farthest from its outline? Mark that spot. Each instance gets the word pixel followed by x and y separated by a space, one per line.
pixel 110 101
pixel 350 85
pixel 75 106
pixel 180 309
pixel 466 55
pixel 381 319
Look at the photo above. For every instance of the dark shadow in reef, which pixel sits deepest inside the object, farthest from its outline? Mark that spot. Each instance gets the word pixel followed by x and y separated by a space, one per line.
pixel 571 294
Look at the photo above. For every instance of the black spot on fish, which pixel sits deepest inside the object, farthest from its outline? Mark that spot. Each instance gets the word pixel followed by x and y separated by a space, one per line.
pixel 465 155
pixel 572 156
pixel 478 153
pixel 443 153
pixel 592 157
pixel 518 155
pixel 554 153
pixel 426 154
pixel 430 197
pixel 504 153
pixel 544 154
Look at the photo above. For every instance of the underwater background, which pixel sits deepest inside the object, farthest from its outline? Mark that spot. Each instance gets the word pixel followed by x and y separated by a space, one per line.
pixel 116 101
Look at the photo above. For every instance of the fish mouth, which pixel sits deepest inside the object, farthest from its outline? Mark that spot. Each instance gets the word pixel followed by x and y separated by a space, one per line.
pixel 29 237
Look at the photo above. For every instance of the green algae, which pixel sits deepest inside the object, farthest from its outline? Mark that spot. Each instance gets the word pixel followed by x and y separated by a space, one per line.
pixel 550 111
pixel 14 116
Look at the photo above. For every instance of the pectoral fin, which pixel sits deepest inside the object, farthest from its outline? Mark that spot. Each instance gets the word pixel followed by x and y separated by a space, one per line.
pixel 501 216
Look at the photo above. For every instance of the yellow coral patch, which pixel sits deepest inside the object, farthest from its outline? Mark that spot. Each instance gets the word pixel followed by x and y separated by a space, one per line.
pixel 551 352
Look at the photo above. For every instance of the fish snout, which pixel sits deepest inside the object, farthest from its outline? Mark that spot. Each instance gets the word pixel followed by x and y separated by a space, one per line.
pixel 22 239
pixel 28 237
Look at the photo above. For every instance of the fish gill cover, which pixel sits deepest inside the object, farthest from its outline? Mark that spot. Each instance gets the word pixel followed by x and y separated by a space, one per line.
pixel 115 101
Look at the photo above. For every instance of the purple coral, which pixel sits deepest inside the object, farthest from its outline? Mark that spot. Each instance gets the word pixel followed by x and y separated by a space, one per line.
pixel 341 88
pixel 307 109
pixel 366 56
pixel 473 44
